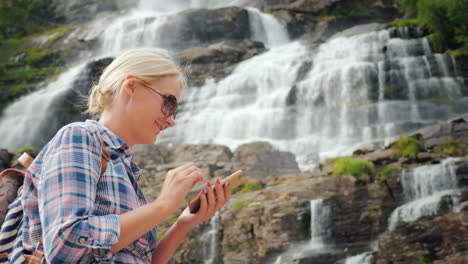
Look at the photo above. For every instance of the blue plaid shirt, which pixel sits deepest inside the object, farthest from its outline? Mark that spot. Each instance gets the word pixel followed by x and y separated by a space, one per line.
pixel 73 208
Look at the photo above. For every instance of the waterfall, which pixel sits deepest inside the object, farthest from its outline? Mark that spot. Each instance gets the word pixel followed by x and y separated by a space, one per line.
pixel 30 115
pixel 320 219
pixel 22 122
pixel 364 258
pixel 428 190
pixel 358 89
pixel 210 246
pixel 265 28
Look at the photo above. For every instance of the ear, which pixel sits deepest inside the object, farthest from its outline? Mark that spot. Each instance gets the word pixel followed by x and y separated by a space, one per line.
pixel 129 88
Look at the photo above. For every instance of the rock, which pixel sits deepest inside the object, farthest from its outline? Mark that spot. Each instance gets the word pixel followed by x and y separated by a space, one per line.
pixel 260 159
pixel 218 60
pixel 192 28
pixel 5 159
pixel 434 239
pixel 441 133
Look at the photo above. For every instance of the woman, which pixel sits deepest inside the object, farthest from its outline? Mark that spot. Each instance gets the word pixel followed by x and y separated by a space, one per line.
pixel 85 217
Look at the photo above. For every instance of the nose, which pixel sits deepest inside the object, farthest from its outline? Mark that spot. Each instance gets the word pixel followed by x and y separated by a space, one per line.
pixel 169 121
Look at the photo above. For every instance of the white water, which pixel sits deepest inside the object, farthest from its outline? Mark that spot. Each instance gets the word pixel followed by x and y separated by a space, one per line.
pixel 345 100
pixel 26 117
pixel 364 258
pixel 320 218
pixel 210 246
pixel 21 122
pixel 424 189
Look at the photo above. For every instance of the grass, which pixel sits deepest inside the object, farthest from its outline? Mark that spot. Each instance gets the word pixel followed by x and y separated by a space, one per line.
pixel 354 167
pixel 407 147
pixel 450 147
pixel 405 23
pixel 385 172
pixel 241 203
pixel 248 186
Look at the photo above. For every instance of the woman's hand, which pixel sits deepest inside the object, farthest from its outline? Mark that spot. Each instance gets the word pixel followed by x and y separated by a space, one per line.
pixel 177 184
pixel 211 200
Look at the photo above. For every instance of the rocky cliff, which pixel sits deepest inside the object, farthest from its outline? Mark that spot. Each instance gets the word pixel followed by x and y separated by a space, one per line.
pixel 260 225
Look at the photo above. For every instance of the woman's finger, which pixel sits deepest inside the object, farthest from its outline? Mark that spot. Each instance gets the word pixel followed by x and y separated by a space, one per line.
pixel 211 199
pixel 184 167
pixel 219 193
pixel 203 204
pixel 227 191
pixel 196 176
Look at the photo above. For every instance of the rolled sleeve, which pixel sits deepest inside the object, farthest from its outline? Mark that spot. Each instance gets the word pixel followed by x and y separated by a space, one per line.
pixel 66 198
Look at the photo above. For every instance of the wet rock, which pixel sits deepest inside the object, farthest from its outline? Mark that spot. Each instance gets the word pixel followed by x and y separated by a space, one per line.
pixel 429 239
pixel 218 60
pixel 192 28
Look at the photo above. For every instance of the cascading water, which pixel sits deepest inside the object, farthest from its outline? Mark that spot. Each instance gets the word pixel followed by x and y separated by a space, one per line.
pixel 357 89
pixel 30 115
pixel 210 240
pixel 21 123
pixel 320 219
pixel 428 190
pixel 364 258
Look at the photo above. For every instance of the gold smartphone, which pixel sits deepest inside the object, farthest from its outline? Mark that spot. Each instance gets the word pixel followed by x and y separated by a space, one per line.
pixel 234 179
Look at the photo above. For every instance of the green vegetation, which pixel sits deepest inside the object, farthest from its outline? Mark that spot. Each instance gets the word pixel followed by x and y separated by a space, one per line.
pixel 22 17
pixel 385 172
pixel 450 147
pixel 353 166
pixel 249 186
pixel 446 20
pixel 32 151
pixel 407 147
pixel 241 203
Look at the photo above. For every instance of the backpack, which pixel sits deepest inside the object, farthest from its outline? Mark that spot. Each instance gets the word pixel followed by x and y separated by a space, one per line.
pixel 11 238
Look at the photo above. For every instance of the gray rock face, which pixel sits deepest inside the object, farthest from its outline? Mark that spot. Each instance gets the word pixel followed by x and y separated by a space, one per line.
pixel 217 60
pixel 202 26
pixel 442 239
pixel 260 159
pixel 215 161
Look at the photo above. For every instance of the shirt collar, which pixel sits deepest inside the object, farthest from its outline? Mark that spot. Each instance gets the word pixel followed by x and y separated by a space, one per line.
pixel 111 139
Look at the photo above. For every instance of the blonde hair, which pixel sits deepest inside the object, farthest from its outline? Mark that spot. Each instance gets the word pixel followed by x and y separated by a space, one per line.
pixel 145 66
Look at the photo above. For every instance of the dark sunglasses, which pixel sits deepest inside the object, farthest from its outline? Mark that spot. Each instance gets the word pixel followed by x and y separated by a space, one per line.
pixel 169 107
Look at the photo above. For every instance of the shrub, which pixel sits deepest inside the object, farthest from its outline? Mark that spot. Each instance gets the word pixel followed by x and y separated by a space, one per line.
pixel 385 172
pixel 353 166
pixel 407 147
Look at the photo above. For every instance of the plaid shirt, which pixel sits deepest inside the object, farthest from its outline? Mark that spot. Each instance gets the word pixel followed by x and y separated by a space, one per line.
pixel 74 209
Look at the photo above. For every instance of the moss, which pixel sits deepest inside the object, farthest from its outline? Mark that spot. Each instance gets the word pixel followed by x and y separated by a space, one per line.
pixel 425 259
pixel 405 23
pixel 450 147
pixel 407 147
pixel 438 42
pixel 241 203
pixel 249 186
pixel 385 172
pixel 354 167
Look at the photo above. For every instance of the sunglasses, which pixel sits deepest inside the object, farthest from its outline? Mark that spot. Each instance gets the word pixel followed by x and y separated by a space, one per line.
pixel 169 107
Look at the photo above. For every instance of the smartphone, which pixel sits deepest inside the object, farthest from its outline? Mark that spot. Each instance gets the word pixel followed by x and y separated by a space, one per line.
pixel 234 179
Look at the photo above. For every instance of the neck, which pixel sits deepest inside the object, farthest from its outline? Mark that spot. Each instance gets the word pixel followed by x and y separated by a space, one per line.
pixel 116 126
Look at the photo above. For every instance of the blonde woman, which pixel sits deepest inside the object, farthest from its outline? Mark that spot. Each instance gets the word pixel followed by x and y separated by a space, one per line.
pixel 85 217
